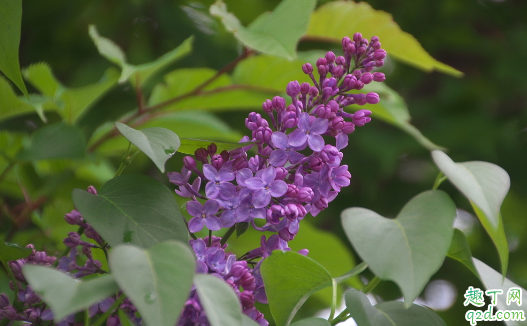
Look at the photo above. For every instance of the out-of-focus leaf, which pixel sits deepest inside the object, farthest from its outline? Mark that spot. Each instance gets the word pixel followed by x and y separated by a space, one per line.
pixel 9 252
pixel 492 280
pixel 132 209
pixel 56 141
pixel 189 145
pixel 246 321
pixel 64 294
pixel 392 313
pixel 28 122
pixel 143 72
pixel 275 33
pixel 408 249
pixel 485 185
pixel 159 144
pixel 188 124
pixel 123 318
pixel 221 305
pixel 219 95
pixel 11 104
pixel 460 251
pixel 157 280
pixel 41 104
pixel 11 13
pixel 290 279
pixel 71 102
pixel 313 321
pixel 337 19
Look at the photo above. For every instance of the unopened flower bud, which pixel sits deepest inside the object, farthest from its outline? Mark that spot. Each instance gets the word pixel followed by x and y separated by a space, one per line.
pixel 266 151
pixel 217 161
pixel 357 37
pixel 379 77
pixel 113 321
pixel 292 191
pixel 9 312
pixel 322 204
pixel 379 54
pixel 348 128
pixel 337 123
pixel 263 134
pixel 4 301
pixel 313 91
pixel 73 240
pixel 211 149
pixel 330 57
pixel 201 155
pixel 305 194
pixel 372 98
pixel 316 164
pixel 303 252
pixel 73 217
pixel 304 88
pixel 267 106
pixel 366 78
pixel 379 63
pixel 322 70
pixel 337 72
pixel 239 163
pixel 189 162
pixel 307 68
pixel 92 190
pixel 340 60
pixel 278 103
pixel 293 88
pixel 225 155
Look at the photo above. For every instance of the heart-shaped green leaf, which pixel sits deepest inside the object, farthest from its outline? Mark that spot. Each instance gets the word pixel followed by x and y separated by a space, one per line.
pixel 290 279
pixel 11 13
pixel 312 322
pixel 141 73
pixel 221 304
pixel 460 251
pixel 132 209
pixel 492 280
pixel 157 280
pixel 485 185
pixel 9 252
pixel 64 294
pixel 56 141
pixel 275 33
pixel 336 19
pixel 393 313
pixel 408 249
pixel 159 144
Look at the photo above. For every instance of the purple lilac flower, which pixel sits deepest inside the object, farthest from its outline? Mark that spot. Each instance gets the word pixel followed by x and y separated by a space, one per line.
pixel 203 215
pixel 284 151
pixel 265 186
pixel 309 131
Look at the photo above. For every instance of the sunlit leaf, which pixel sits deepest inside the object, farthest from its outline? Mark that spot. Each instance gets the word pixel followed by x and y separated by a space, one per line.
pixel 460 251
pixel 337 19
pixel 56 141
pixel 9 252
pixel 157 280
pixel 392 313
pixel 219 301
pixel 132 209
pixel 290 279
pixel 140 73
pixel 409 248
pixel 275 33
pixel 64 294
pixel 159 144
pixel 11 14
pixel 485 185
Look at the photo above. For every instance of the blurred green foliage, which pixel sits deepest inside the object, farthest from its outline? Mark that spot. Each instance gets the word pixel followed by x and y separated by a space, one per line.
pixel 481 116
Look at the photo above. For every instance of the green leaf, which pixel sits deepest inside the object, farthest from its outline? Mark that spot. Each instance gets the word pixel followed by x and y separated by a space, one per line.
pixel 460 251
pixel 64 294
pixel 408 249
pixel 56 141
pixel 9 252
pixel 290 279
pixel 246 321
pixel 123 318
pixel 189 145
pixel 11 104
pixel 143 72
pixel 132 209
pixel 71 102
pixel 11 13
pixel 313 321
pixel 157 280
pixel 485 185
pixel 159 144
pixel 492 280
pixel 221 304
pixel 219 95
pixel 275 33
pixel 337 19
pixel 393 313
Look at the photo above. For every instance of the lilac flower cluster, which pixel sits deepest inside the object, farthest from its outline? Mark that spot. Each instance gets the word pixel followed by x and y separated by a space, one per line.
pixel 294 171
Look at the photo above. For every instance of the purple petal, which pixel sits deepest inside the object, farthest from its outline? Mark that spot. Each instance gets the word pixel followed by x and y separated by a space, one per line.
pixel 242 213
pixel 278 188
pixel 212 190
pixel 278 157
pixel 294 157
pixel 176 178
pixel 243 175
pixel 105 304
pixel 268 175
pixel 342 141
pixel 342 181
pixel 196 224
pixel 280 140
pixel 254 183
pixel 319 126
pixel 210 172
pixel 211 207
pixel 183 192
pixel 226 190
pixel 258 213
pixel 316 142
pixel 213 223
pixel 303 123
pixel 196 184
pixel 262 198
pixel 228 218
pixel 293 228
pixel 199 247
pixel 297 138
pixel 194 208
pixel 226 175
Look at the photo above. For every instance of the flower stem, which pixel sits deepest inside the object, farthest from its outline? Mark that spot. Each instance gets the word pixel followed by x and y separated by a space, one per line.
pixel 344 315
pixel 373 283
pixel 440 178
